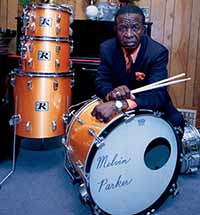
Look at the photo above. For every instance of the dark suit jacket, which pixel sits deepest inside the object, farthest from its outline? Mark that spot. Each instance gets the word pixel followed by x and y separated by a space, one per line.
pixel 152 60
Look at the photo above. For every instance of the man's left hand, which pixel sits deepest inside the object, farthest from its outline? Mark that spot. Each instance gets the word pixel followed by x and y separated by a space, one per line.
pixel 104 112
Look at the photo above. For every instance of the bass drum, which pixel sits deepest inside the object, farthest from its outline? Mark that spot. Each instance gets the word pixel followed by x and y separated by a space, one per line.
pixel 190 150
pixel 128 166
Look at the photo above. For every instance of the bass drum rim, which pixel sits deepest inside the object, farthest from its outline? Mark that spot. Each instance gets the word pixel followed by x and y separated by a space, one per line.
pixel 171 188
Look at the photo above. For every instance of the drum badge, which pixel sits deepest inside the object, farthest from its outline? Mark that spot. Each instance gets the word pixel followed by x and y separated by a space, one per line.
pixel 45 22
pixel 41 106
pixel 44 56
pixel 141 122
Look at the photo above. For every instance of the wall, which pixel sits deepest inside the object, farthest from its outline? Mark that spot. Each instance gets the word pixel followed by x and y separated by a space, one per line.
pixel 176 24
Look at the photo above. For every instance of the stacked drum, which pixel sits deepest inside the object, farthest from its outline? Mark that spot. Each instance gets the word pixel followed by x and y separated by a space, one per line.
pixel 42 87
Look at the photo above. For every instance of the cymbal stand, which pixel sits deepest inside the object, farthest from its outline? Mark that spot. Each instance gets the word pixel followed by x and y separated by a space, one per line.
pixel 13 121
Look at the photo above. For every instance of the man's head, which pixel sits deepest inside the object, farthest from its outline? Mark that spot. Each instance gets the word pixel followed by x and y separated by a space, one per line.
pixel 129 26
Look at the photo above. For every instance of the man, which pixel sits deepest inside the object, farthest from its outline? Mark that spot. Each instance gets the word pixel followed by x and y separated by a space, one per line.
pixel 129 61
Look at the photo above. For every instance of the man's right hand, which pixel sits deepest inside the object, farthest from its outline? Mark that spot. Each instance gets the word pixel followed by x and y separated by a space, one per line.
pixel 121 92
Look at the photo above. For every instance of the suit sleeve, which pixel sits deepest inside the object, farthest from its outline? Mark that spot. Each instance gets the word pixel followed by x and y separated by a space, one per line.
pixel 157 98
pixel 104 75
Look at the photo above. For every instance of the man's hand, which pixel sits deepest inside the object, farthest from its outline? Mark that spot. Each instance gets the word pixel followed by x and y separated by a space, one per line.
pixel 121 92
pixel 105 111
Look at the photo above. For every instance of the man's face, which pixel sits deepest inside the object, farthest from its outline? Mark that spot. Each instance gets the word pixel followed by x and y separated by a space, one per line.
pixel 129 28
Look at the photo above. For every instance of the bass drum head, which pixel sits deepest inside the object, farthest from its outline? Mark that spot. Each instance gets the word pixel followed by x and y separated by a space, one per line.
pixel 135 168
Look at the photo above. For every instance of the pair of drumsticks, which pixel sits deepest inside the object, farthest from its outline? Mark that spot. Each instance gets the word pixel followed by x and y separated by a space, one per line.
pixel 162 83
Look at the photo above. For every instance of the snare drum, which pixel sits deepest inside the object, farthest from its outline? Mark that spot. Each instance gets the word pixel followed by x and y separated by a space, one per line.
pixel 190 150
pixel 42 101
pixel 46 20
pixel 126 166
pixel 45 54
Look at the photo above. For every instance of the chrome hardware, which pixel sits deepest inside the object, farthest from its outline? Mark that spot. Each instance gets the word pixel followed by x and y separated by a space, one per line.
pixel 57 63
pixel 99 141
pixel 33 16
pixel 29 84
pixel 80 121
pixel 28 126
pixel 55 85
pixel 32 27
pixel 30 62
pixel 30 47
pixel 58 18
pixel 69 149
pixel 58 29
pixel 84 193
pixel 88 69
pixel 65 118
pixel 54 126
pixel 58 48
pixel 15 119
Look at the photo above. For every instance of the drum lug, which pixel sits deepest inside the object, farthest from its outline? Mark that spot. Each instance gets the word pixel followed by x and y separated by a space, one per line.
pixel 32 27
pixel 58 18
pixel 57 63
pixel 174 189
pixel 58 48
pixel 33 16
pixel 28 126
pixel 84 193
pixel 29 84
pixel 30 62
pixel 57 29
pixel 55 85
pixel 15 119
pixel 54 126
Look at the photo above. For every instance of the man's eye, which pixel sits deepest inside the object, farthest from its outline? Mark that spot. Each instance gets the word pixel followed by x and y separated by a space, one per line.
pixel 123 28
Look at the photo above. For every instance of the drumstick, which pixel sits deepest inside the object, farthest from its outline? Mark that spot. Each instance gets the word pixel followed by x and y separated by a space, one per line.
pixel 142 89
pixel 164 80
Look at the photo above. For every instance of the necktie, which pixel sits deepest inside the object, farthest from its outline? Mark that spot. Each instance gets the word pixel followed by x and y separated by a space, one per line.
pixel 128 63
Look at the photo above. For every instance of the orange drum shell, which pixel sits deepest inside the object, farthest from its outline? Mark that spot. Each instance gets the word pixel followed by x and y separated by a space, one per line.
pixel 48 64
pixel 50 31
pixel 79 138
pixel 42 90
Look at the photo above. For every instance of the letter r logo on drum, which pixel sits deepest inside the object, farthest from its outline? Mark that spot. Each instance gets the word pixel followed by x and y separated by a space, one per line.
pixel 45 22
pixel 41 106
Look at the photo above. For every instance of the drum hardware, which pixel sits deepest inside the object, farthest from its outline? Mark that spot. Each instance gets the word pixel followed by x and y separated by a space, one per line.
pixel 58 28
pixel 32 27
pixel 28 126
pixel 174 189
pixel 29 84
pixel 55 85
pixel 57 63
pixel 54 126
pixel 58 18
pixel 99 141
pixel 70 169
pixel 13 122
pixel 104 170
pixel 30 63
pixel 190 156
pixel 58 47
pixel 83 192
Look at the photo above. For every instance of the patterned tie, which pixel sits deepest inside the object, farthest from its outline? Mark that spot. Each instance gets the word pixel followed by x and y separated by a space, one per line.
pixel 128 63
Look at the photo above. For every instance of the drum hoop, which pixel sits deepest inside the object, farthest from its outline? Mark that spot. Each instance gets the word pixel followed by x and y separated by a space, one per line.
pixel 46 38
pixel 43 75
pixel 49 6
